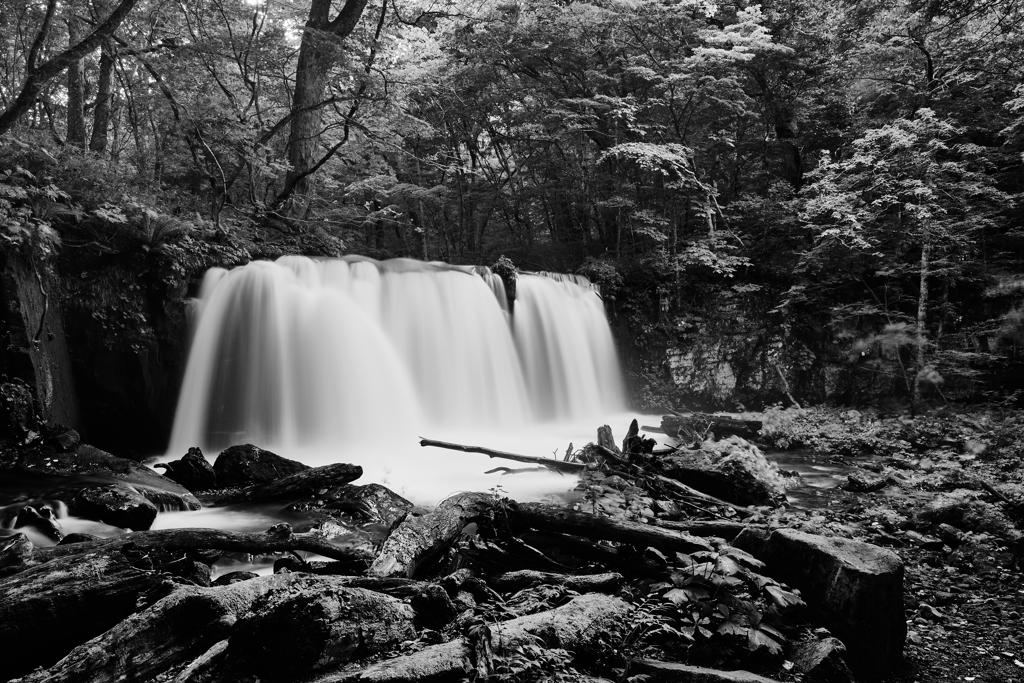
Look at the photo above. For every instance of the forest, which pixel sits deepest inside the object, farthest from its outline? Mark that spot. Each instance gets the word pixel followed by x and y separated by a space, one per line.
pixel 829 192
pixel 805 224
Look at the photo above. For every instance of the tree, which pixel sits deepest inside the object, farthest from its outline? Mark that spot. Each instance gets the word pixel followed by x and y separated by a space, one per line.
pixel 910 201
pixel 39 74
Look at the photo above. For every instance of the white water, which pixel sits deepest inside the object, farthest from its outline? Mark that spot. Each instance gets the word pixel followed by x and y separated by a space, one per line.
pixel 351 360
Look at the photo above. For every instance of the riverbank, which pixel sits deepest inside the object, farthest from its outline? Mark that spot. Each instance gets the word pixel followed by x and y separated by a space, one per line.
pixel 682 573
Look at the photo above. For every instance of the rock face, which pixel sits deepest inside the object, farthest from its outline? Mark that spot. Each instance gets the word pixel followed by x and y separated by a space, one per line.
pixel 117 505
pixel 247 464
pixel 193 471
pixel 731 469
pixel 313 623
pixel 855 589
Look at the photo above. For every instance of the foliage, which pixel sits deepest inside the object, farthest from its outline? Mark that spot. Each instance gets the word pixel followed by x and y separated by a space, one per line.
pixel 713 604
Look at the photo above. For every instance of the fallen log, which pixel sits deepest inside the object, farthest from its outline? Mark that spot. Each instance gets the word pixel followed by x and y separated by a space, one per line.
pixel 48 609
pixel 689 427
pixel 558 465
pixel 550 518
pixel 583 621
pixel 417 540
pixel 170 633
pixel 671 672
pixel 622 558
pixel 582 583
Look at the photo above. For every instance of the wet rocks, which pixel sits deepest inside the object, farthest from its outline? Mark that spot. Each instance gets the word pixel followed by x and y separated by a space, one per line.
pixel 117 504
pixel 193 471
pixel 247 464
pixel 853 588
pixel 314 623
pixel 731 469
pixel 309 483
pixel 369 504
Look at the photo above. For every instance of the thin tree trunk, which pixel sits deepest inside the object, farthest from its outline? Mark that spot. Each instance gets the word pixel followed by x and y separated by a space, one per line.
pixel 76 88
pixel 101 114
pixel 922 316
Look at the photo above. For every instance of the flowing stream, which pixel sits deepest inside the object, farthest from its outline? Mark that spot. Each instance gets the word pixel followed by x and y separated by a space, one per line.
pixel 352 360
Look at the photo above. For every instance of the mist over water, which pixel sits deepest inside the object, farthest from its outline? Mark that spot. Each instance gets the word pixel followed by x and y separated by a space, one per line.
pixel 352 360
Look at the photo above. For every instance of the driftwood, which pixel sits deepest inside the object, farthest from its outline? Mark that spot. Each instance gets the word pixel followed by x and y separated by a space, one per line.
pixel 671 672
pixel 578 624
pixel 417 540
pixel 697 425
pixel 557 465
pixel 625 559
pixel 549 518
pixel 585 583
pixel 720 528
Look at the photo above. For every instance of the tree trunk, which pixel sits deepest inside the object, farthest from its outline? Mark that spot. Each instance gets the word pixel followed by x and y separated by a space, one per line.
pixel 76 88
pixel 922 317
pixel 316 54
pixel 101 114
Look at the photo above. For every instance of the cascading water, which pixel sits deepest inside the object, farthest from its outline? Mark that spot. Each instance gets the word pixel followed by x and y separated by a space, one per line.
pixel 351 359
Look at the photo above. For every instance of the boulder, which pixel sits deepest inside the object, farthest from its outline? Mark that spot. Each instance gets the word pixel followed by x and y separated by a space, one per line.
pixel 116 504
pixel 234 577
pixel 58 474
pixel 855 589
pixel 822 661
pixel 193 471
pixel 246 465
pixel 731 469
pixel 313 483
pixel 313 623
pixel 369 504
pixel 42 521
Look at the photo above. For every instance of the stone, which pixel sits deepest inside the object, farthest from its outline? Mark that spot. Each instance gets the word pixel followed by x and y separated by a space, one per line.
pixel 859 483
pixel 62 439
pixel 246 465
pixel 41 521
pixel 78 538
pixel 822 661
pixel 193 471
pixel 234 577
pixel 854 589
pixel 731 469
pixel 752 540
pixel 369 504
pixel 313 485
pixel 117 504
pixel 671 672
pixel 313 623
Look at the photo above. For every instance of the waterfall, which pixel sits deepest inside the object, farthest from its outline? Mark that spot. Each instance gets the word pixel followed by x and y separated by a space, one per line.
pixel 341 355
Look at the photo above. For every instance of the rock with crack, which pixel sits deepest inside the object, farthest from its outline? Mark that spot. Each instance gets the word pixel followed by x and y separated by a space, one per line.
pixel 855 589
pixel 822 661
